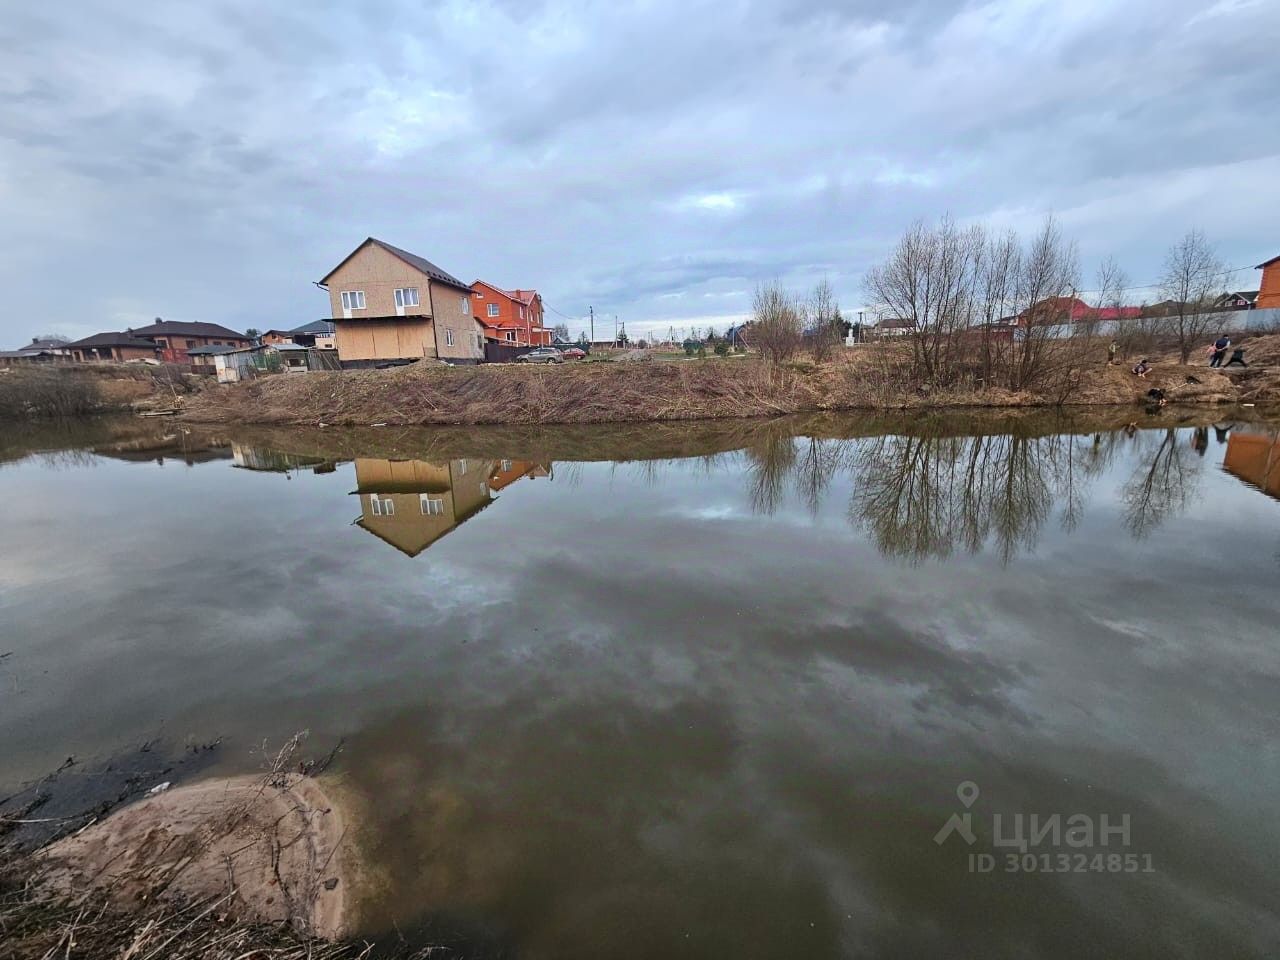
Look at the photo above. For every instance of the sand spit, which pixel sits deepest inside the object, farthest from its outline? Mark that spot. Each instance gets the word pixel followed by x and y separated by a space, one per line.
pixel 270 849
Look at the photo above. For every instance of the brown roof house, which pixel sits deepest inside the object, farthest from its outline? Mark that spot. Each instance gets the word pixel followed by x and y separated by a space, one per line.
pixel 47 350
pixel 411 504
pixel 176 337
pixel 102 347
pixel 391 305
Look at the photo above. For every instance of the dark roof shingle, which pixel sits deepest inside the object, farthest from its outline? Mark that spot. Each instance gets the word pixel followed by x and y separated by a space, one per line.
pixel 113 340
pixel 179 328
pixel 421 264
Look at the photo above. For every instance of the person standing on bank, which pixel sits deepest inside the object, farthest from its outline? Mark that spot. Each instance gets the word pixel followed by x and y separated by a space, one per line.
pixel 1219 350
pixel 1111 352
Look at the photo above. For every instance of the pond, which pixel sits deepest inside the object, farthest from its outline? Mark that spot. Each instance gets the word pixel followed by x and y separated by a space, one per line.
pixel 837 687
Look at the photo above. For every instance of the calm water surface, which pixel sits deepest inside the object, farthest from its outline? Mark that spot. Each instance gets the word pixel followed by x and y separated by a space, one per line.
pixel 698 692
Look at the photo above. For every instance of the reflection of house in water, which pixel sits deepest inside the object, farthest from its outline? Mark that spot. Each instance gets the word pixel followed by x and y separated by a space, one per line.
pixel 1253 455
pixel 412 503
pixel 507 472
pixel 185 447
pixel 248 457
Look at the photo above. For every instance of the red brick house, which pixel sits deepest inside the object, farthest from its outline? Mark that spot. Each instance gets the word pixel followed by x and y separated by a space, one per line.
pixel 1269 291
pixel 510 316
pixel 175 338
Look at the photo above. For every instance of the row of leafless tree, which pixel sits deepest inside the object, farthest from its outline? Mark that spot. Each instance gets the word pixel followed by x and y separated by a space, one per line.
pixel 956 288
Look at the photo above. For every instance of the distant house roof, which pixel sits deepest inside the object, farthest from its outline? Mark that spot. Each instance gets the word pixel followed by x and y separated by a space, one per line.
pixel 178 328
pixel 1059 309
pixel 420 264
pixel 318 327
pixel 895 325
pixel 48 343
pixel 1248 296
pixel 112 340
pixel 520 296
pixel 1267 263
pixel 209 351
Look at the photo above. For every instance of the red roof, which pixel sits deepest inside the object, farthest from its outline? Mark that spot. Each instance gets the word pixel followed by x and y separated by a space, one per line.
pixel 1074 310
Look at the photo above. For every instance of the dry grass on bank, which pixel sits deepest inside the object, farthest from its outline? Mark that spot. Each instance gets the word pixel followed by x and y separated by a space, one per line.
pixel 875 377
pixel 43 392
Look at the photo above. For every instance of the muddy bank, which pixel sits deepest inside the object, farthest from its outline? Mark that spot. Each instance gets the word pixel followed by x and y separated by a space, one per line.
pixel 671 391
pixel 271 850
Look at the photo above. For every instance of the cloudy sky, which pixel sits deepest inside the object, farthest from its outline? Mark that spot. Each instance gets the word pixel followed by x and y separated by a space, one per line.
pixel 655 160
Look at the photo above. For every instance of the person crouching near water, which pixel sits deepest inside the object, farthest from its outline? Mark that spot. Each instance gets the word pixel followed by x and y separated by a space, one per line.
pixel 1142 368
pixel 1219 350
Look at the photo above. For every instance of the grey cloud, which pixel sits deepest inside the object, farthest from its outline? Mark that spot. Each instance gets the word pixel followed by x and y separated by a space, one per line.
pixel 170 154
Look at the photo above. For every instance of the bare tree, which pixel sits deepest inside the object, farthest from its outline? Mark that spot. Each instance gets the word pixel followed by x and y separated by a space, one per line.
pixel 1192 274
pixel 929 282
pixel 826 324
pixel 777 322
pixel 1048 276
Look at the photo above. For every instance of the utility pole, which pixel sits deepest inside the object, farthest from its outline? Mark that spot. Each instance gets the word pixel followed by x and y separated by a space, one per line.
pixel 615 329
pixel 593 323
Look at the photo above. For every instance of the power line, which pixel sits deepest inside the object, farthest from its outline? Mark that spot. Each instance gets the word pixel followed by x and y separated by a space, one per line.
pixel 1156 286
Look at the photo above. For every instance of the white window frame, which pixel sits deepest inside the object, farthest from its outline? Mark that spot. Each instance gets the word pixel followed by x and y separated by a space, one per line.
pixel 493 310
pixel 352 300
pixel 510 336
pixel 431 506
pixel 405 297
pixel 382 506
pixel 448 337
pixel 464 304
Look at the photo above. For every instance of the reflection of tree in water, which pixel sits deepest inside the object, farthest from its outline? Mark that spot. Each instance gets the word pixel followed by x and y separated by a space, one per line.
pixel 923 497
pixel 929 496
pixel 770 464
pixel 1162 485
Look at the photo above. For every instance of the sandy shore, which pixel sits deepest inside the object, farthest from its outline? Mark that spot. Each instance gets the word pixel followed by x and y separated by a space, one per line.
pixel 270 851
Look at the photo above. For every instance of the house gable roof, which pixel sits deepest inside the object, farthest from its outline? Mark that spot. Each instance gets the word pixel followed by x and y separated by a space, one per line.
pixel 1267 263
pixel 318 327
pixel 518 296
pixel 178 328
pixel 421 264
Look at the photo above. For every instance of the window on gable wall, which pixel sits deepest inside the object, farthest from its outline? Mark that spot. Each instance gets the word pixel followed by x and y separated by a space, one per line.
pixel 464 303
pixel 493 309
pixel 407 297
pixel 352 299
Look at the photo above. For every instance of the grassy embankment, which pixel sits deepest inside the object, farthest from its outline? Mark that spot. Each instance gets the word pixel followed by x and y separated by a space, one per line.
pixel 59 391
pixel 874 378
pixel 877 377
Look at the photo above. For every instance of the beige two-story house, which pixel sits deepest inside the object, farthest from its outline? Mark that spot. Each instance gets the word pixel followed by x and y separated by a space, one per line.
pixel 389 304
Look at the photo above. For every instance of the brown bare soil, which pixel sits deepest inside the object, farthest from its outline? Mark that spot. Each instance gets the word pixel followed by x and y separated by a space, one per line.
pixel 268 852
pixel 871 378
